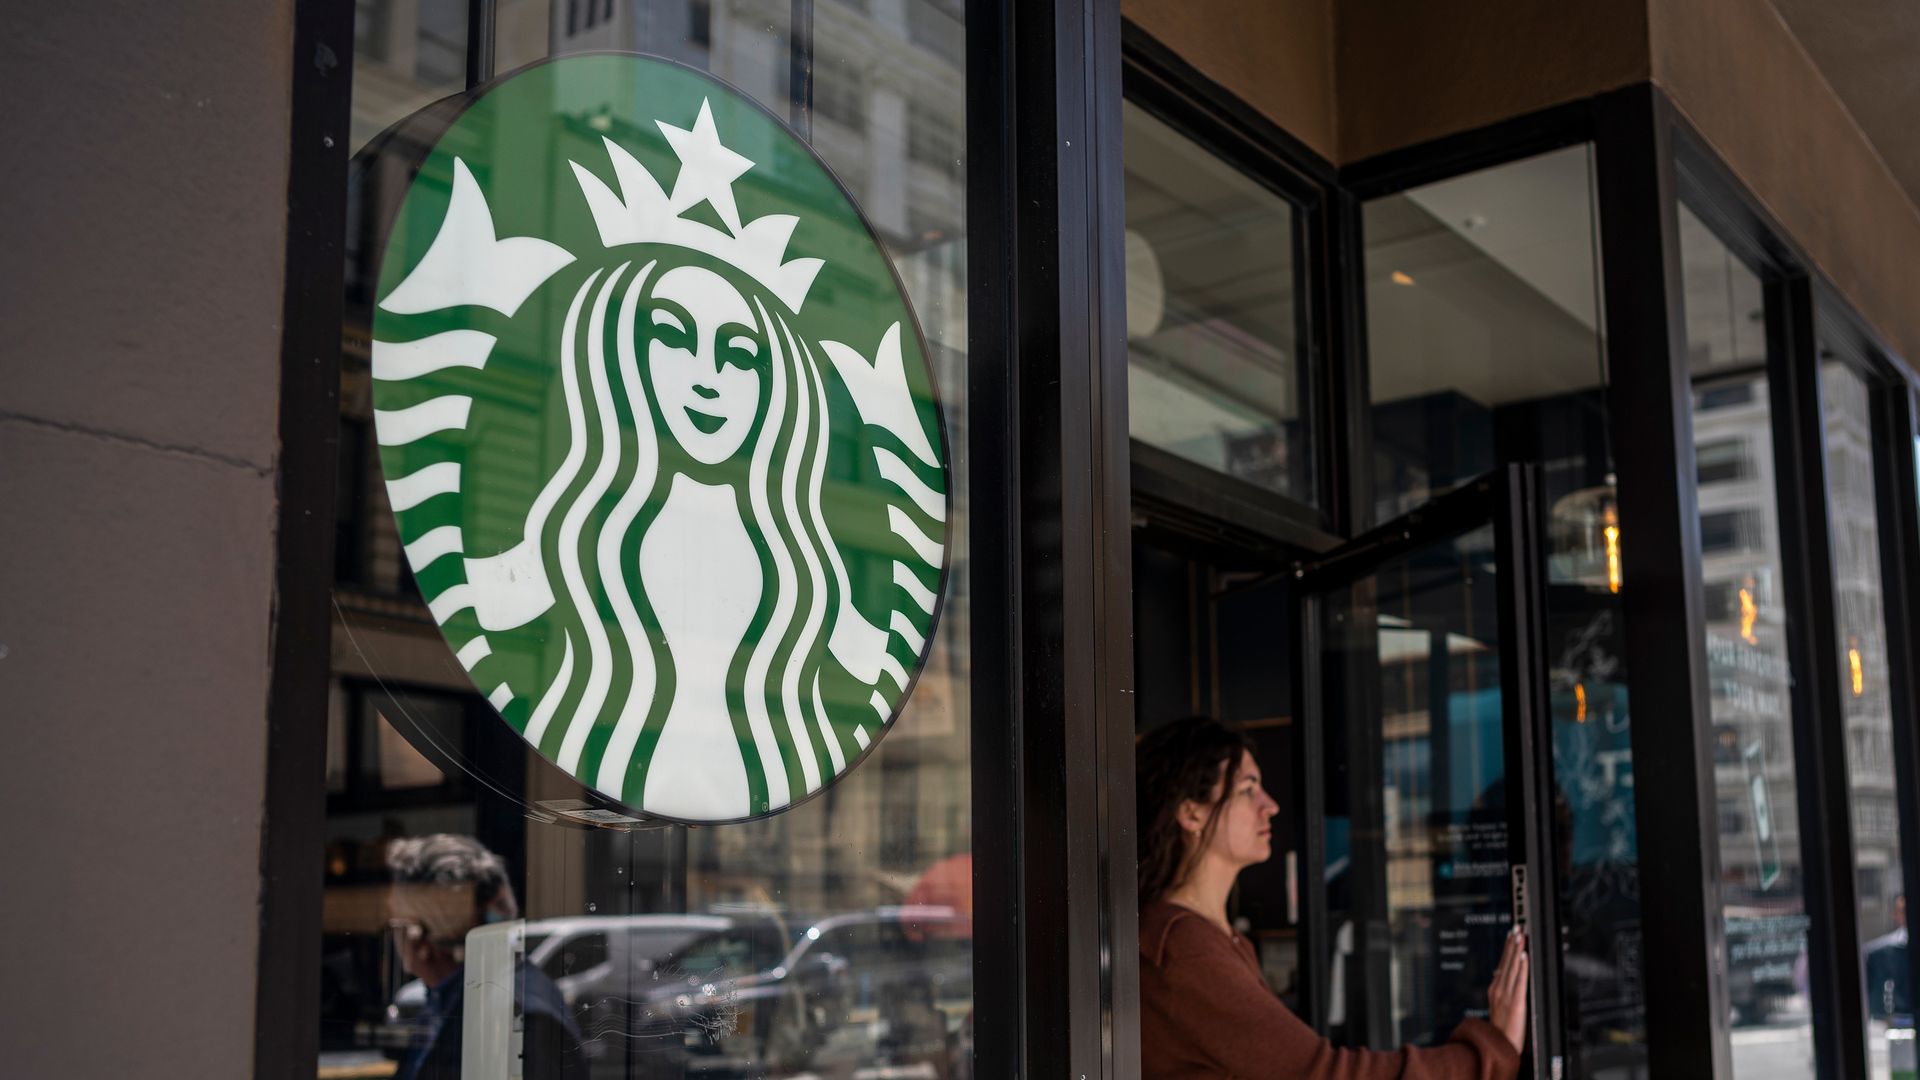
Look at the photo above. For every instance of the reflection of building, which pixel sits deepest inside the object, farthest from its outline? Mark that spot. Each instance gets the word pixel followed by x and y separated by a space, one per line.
pixel 406 53
pixel 1852 518
pixel 1746 643
pixel 1745 608
pixel 886 120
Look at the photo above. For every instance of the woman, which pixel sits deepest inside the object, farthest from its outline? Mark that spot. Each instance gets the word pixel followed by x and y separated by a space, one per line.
pixel 1206 1011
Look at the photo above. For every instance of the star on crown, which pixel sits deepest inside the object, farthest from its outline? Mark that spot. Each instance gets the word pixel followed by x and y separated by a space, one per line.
pixel 643 213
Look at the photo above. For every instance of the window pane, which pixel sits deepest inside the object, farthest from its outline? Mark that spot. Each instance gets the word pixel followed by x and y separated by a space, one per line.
pixel 742 41
pixel 1726 315
pixel 1720 462
pixel 1480 301
pixel 401 765
pixel 1213 313
pixel 338 732
pixel 406 55
pixel 1418 800
pixel 1853 519
pixel 663 950
pixel 1483 348
pixel 522 32
pixel 1746 625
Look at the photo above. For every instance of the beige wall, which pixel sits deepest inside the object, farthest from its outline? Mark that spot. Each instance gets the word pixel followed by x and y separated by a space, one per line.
pixel 1274 54
pixel 140 288
pixel 1354 80
pixel 1737 73
pixel 1412 72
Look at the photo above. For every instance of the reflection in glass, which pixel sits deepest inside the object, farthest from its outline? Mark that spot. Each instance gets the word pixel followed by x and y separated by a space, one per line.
pixel 1213 312
pixel 1746 626
pixel 1484 347
pixel 1480 296
pixel 477 1004
pixel 1853 519
pixel 1417 816
pixel 523 30
pixel 405 56
pixel 1726 316
pixel 832 940
pixel 400 764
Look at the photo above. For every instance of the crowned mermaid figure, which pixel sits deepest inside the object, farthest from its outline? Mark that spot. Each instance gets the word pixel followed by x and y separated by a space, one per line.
pixel 717 590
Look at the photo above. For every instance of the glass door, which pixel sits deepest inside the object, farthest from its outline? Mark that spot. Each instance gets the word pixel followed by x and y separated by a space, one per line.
pixel 1422 644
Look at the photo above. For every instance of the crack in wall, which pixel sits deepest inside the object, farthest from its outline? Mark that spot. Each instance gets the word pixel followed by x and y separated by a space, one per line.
pixel 69 428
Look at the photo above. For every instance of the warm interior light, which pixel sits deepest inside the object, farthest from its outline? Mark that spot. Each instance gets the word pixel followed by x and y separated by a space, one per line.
pixel 1612 533
pixel 1579 703
pixel 1584 538
pixel 1853 667
pixel 1749 614
pixel 1400 277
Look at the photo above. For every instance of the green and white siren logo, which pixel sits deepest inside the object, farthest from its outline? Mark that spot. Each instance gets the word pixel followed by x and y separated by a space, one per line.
pixel 660 436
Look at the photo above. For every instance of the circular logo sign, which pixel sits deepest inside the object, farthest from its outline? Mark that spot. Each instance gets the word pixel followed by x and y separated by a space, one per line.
pixel 660 436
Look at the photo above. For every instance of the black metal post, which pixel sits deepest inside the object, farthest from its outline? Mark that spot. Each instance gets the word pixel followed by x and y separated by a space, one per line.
pixel 1349 404
pixel 800 68
pixel 1055 960
pixel 1897 491
pixel 480 34
pixel 1310 808
pixel 1521 548
pixel 1819 712
pixel 1650 416
pixel 287 993
pixel 1369 1015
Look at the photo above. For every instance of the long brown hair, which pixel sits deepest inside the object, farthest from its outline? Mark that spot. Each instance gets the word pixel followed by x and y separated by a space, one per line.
pixel 1178 762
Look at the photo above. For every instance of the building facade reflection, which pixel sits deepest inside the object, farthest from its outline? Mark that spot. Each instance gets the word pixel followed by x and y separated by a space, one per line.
pixel 833 939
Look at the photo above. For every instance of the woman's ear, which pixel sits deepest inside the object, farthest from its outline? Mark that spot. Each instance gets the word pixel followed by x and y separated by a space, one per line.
pixel 1192 817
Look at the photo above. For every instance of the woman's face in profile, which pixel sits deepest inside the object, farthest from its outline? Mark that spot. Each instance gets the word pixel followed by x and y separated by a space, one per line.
pixel 705 359
pixel 1244 835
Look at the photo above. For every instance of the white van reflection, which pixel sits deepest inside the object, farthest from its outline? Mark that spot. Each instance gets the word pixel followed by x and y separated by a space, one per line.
pixel 881 994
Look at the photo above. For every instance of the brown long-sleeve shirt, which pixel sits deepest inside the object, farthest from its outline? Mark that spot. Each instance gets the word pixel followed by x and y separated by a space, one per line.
pixel 1206 1013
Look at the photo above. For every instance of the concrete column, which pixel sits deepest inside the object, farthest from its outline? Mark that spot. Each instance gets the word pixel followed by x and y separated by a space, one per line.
pixel 141 288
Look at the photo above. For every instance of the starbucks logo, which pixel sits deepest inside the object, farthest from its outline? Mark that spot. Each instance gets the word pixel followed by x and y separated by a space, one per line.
pixel 660 436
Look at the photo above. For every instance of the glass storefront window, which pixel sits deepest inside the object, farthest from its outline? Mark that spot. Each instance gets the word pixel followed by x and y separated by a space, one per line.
pixel 1754 770
pixel 1214 312
pixel 834 939
pixel 1854 522
pixel 405 56
pixel 1419 797
pixel 1481 304
pixel 1484 347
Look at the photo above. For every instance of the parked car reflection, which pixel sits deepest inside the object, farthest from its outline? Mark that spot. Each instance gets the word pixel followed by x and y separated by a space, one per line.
pixel 880 994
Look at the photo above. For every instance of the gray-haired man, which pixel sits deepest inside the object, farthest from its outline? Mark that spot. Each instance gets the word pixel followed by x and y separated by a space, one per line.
pixel 445 885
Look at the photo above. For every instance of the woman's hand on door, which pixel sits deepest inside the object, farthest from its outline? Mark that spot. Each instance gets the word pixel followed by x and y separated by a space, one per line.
pixel 1507 994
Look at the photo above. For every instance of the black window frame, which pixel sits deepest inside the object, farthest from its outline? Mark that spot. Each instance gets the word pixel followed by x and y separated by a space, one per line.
pixel 1891 387
pixel 1176 493
pixel 1803 310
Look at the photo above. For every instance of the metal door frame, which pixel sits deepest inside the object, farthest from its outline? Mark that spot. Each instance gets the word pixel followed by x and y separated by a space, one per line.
pixel 1507 500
